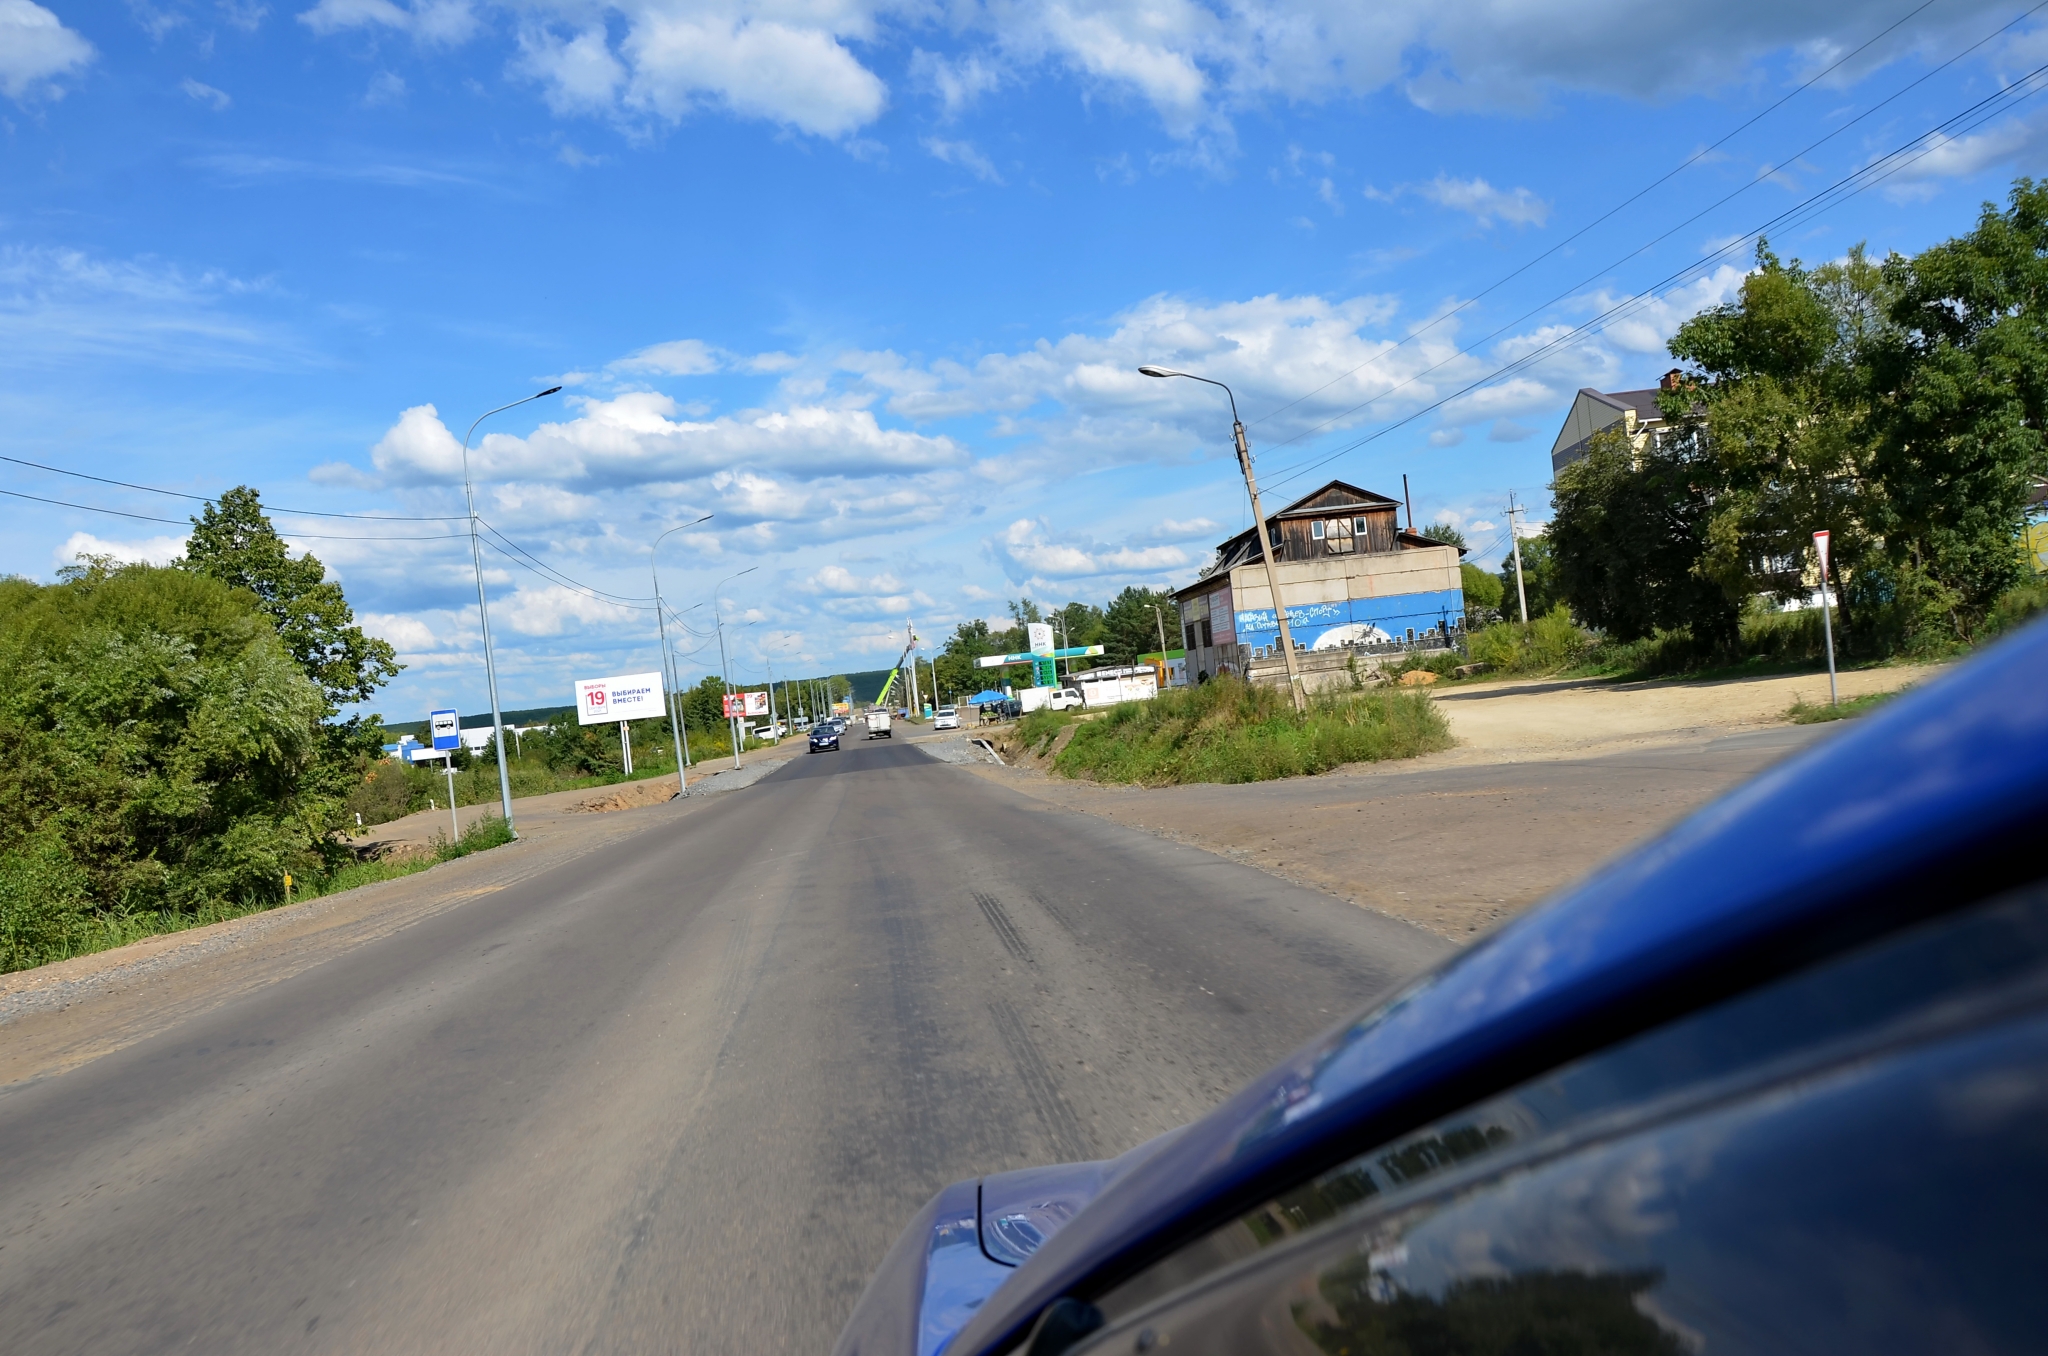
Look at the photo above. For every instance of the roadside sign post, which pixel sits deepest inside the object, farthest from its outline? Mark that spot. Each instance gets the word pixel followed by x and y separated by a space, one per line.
pixel 628 697
pixel 454 827
pixel 1827 614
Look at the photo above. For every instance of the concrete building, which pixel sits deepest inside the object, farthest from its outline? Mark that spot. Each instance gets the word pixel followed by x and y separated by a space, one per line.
pixel 1352 579
pixel 1592 411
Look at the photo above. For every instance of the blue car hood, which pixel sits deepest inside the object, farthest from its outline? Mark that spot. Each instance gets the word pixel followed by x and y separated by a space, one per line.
pixel 1785 865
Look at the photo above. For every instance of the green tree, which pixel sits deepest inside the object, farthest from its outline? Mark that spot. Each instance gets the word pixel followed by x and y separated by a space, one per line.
pixel 1447 534
pixel 1131 627
pixel 1482 594
pixel 1539 575
pixel 156 734
pixel 234 541
pixel 1964 370
pixel 1626 541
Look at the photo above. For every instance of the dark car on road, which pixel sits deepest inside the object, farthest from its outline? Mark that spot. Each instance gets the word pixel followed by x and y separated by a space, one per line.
pixel 1776 1081
pixel 824 737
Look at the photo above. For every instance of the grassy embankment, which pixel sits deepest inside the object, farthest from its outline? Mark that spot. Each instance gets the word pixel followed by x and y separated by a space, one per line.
pixel 1229 731
pixel 392 791
pixel 1769 643
pixel 1813 713
pixel 33 934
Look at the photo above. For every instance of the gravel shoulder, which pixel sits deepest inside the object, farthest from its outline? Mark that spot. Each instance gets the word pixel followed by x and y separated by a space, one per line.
pixel 1550 779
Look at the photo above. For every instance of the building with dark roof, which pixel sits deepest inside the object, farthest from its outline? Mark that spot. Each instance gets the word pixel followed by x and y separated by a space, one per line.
pixel 1349 574
pixel 1592 411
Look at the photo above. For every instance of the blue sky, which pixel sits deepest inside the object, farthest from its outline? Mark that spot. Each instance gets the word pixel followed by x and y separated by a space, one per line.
pixel 868 281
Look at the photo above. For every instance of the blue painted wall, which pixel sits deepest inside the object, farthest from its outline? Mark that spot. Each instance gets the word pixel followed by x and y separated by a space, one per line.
pixel 1324 625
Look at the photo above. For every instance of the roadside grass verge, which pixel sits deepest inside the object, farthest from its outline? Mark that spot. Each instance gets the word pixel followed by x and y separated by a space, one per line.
pixel 1229 731
pixel 1039 728
pixel 1803 712
pixel 41 922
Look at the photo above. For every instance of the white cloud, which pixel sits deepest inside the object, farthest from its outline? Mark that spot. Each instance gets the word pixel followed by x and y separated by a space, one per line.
pixel 1484 202
pixel 1649 325
pixel 206 94
pixel 794 62
pixel 443 22
pixel 1029 553
pixel 550 610
pixel 408 633
pixel 676 358
pixel 2018 143
pixel 36 48
pixel 963 154
pixel 63 305
pixel 148 550
pixel 839 582
pixel 386 90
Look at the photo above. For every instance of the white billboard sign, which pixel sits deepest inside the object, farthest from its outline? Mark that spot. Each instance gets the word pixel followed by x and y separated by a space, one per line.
pixel 1039 637
pixel 632 696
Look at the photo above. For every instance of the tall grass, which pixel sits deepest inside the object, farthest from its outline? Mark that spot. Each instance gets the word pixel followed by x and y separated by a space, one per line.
pixel 43 920
pixel 1229 731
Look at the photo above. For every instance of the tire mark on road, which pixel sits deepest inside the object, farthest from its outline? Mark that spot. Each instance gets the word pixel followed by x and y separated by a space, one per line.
pixel 1069 1140
pixel 1006 931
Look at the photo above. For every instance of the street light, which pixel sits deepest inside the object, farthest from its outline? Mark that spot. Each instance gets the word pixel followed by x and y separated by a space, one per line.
pixel 1244 461
pixel 476 558
pixel 724 664
pixel 675 726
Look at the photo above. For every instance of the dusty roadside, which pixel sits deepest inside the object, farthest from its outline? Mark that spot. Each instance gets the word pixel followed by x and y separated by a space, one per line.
pixel 1550 779
pixel 134 990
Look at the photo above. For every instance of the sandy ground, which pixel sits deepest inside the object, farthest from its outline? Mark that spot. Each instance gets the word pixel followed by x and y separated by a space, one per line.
pixel 1549 780
pixel 1570 718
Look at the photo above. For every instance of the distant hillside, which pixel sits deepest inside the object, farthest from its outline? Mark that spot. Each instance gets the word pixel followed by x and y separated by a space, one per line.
pixel 532 715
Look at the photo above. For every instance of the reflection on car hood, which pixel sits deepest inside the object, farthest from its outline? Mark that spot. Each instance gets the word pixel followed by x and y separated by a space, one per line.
pixel 1785 868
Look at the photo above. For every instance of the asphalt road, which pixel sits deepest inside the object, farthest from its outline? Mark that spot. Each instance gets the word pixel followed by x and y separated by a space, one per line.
pixel 678 1095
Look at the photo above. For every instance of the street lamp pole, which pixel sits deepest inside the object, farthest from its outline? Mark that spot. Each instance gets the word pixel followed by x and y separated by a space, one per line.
pixel 1244 462
pixel 476 558
pixel 725 664
pixel 675 720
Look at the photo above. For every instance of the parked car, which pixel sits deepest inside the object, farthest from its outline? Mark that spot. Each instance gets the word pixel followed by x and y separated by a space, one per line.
pixel 1776 1081
pixel 824 739
pixel 946 718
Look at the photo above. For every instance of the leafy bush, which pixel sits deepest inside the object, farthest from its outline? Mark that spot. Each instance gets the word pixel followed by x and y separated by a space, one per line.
pixel 1227 730
pixel 153 727
pixel 1551 642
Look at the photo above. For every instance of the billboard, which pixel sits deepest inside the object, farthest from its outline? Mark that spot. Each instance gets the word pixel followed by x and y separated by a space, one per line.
pixel 746 704
pixel 1039 637
pixel 631 696
pixel 446 727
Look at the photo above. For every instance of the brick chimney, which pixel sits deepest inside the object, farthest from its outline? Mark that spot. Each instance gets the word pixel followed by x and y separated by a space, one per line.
pixel 1671 381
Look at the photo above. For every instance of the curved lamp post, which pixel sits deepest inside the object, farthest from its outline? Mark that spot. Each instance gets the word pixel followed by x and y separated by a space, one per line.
pixel 476 558
pixel 725 665
pixel 1244 462
pixel 675 722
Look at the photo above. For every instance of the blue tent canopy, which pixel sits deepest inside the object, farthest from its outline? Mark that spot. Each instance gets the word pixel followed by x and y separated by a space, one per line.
pixel 984 697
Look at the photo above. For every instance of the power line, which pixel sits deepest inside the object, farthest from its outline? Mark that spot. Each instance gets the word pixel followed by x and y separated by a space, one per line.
pixel 1625 203
pixel 181 494
pixel 540 566
pixel 186 522
pixel 555 577
pixel 1842 189
pixel 1647 245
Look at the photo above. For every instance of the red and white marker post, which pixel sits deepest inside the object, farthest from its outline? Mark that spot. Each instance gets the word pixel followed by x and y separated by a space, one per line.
pixel 1827 614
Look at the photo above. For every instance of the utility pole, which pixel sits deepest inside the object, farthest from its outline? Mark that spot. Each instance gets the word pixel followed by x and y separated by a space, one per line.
pixel 483 613
pixel 1515 536
pixel 910 635
pixel 724 663
pixel 1251 484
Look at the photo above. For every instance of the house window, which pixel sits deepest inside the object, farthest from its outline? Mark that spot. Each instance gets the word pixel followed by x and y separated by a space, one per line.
pixel 1358 526
pixel 1337 535
pixel 1207 640
pixel 1192 634
pixel 1315 530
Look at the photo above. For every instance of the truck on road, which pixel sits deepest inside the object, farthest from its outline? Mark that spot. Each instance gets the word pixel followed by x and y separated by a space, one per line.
pixel 878 723
pixel 1050 699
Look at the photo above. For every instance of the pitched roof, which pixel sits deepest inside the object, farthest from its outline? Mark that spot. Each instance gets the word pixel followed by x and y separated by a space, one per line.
pixel 1336 494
